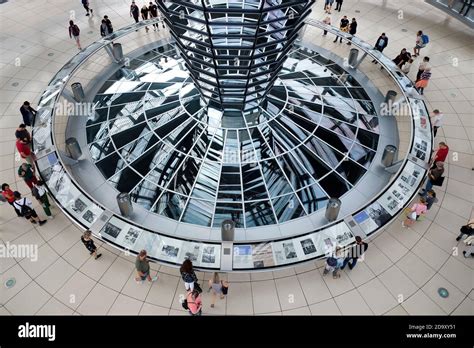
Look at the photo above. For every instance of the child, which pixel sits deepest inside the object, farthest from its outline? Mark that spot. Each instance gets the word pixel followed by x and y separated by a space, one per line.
pixel 407 66
pixel 89 244
pixel 39 192
pixel 417 210
pixel 422 83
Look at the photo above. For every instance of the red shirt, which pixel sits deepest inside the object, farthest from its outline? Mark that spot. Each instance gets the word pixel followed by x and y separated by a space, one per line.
pixel 441 154
pixel 23 148
pixel 8 194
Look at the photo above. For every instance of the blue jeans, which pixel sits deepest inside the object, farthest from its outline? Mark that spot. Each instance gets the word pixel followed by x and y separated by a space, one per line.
pixel 351 265
pixel 429 185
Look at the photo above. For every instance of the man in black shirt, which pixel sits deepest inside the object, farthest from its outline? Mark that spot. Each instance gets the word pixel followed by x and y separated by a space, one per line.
pixel 343 26
pixel 380 45
pixel 355 252
pixel 134 11
pixel 28 113
pixel 352 29
pixel 153 14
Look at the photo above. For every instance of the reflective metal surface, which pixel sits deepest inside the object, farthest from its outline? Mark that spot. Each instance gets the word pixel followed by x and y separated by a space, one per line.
pixel 152 135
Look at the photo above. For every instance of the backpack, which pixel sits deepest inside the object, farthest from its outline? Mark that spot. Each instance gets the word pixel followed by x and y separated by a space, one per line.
pixel 25 210
pixel 425 39
pixel 75 30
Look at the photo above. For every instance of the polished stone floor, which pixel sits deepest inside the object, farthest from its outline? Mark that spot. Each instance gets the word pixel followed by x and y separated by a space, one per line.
pixel 402 270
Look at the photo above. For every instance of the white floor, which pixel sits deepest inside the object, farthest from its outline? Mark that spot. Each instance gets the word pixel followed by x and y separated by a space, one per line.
pixel 402 269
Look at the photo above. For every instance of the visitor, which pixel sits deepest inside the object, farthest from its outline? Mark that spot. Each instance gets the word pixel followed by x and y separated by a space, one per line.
pixel 416 211
pixel 22 134
pixel 355 253
pixel 89 244
pixel 218 287
pixel 153 14
pixel 27 172
pixel 380 45
pixel 74 32
pixel 425 64
pixel 24 149
pixel 402 58
pixel 110 28
pixel 466 230
pixel 39 192
pixel 328 6
pixel 436 121
pixel 134 12
pixel 422 83
pixel 188 275
pixel 343 26
pixel 142 266
pixel 25 208
pixel 326 21
pixel 339 5
pixel 419 44
pixel 407 66
pixel 352 30
pixel 334 263
pixel 434 176
pixel 194 301
pixel 441 153
pixel 144 11
pixel 104 29
pixel 85 3
pixel 28 114
pixel 7 193
pixel 430 199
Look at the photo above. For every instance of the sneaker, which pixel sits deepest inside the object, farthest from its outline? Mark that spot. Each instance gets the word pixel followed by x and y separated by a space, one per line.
pixel 139 281
pixel 336 276
pixel 51 217
pixel 91 10
pixel 403 224
pixel 350 266
pixel 41 223
pixel 99 255
pixel 458 238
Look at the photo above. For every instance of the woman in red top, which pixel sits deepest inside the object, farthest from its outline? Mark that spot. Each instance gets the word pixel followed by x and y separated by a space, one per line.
pixel 194 302
pixel 25 151
pixel 441 153
pixel 7 193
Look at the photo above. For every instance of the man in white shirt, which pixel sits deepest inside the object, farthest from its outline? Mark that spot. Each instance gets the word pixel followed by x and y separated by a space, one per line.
pixel 425 64
pixel 25 207
pixel 436 121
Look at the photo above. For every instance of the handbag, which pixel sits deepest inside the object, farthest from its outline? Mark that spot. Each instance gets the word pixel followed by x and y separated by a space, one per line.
pixel 197 287
pixel 412 215
pixel 438 182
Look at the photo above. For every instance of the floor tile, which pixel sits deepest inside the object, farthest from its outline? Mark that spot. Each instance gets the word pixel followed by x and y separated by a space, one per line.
pixel 117 274
pixel 458 274
pixel 314 287
pixel 417 270
pixel 28 301
pixel 163 290
pixel 265 297
pixel 398 283
pixel 54 307
pixel 351 303
pixel 377 296
pixel 290 293
pixel 75 290
pixel 53 278
pixel 98 301
pixel 149 309
pixel 447 304
pixel 125 305
pixel 327 307
pixel 421 304
pixel 239 299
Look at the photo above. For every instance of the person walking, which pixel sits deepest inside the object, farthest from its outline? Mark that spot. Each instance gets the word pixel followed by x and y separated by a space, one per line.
pixel 334 263
pixel 441 153
pixel 326 21
pixel 217 286
pixel 422 83
pixel 104 28
pixel 355 253
pixel 380 45
pixel 419 44
pixel 134 12
pixel 194 303
pixel 466 230
pixel 144 11
pixel 328 6
pixel 25 207
pixel 86 239
pixel 433 176
pixel 153 14
pixel 352 30
pixel 7 193
pixel 74 32
pixel 89 11
pixel 27 172
pixel 424 65
pixel 188 275
pixel 436 121
pixel 338 5
pixel 416 211
pixel 28 114
pixel 343 26
pixel 39 192
pixel 142 266
pixel 402 58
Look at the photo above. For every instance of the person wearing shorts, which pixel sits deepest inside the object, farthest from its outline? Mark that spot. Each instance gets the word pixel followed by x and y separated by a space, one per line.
pixel 25 207
pixel 142 266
